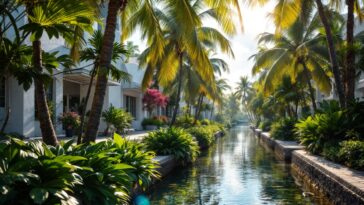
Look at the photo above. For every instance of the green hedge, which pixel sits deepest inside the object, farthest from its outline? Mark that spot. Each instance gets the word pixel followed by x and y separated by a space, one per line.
pixel 173 141
pixel 284 129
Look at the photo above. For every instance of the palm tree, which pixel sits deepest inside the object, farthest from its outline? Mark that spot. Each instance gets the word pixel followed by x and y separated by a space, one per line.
pixel 181 45
pixel 221 87
pixel 297 50
pixel 132 49
pixel 353 6
pixel 286 13
pixel 242 91
pixel 92 53
pixel 145 17
pixel 150 29
pixel 51 17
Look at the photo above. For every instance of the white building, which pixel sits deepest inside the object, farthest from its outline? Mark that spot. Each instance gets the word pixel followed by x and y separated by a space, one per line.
pixel 67 92
pixel 359 86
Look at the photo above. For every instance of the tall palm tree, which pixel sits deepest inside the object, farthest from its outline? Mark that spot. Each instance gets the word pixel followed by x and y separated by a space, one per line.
pixel 145 17
pixel 242 91
pixel 297 50
pixel 52 17
pixel 181 45
pixel 353 6
pixel 92 53
pixel 150 29
pixel 221 87
pixel 286 13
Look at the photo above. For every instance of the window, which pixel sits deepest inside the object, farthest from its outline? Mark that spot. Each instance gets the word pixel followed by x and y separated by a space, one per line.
pixel 2 92
pixel 130 105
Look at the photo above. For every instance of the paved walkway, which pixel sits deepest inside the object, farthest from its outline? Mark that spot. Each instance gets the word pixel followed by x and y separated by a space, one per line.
pixel 133 136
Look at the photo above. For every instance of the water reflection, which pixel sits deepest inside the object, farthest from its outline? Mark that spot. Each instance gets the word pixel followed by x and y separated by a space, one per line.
pixel 237 170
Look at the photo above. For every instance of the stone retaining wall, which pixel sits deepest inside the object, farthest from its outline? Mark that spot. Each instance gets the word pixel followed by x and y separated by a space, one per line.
pixel 166 164
pixel 282 149
pixel 339 184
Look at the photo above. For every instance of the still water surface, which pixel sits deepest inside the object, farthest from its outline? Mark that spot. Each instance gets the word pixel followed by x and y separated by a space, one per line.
pixel 237 170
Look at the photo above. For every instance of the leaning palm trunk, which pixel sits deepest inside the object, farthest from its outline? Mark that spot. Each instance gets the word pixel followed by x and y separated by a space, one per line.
pixel 44 117
pixel 198 108
pixel 82 123
pixel 350 55
pixel 179 91
pixel 212 110
pixel 332 53
pixel 312 92
pixel 105 62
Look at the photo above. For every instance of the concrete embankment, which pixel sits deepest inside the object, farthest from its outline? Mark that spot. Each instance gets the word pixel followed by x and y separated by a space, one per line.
pixel 339 184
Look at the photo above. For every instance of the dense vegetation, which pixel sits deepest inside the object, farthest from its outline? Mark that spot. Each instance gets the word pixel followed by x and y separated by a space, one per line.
pixel 173 141
pixel 102 173
pixel 312 57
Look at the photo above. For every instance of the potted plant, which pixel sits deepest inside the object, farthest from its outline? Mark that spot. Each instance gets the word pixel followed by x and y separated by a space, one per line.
pixel 70 121
pixel 116 119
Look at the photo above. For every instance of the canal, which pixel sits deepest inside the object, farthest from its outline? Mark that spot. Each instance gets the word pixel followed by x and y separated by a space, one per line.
pixel 236 170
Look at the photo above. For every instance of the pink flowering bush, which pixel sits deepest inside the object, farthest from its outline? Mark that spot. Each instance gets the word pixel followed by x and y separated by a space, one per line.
pixel 70 120
pixel 152 99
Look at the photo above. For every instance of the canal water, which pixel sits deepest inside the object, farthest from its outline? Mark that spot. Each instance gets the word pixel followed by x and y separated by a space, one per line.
pixel 236 170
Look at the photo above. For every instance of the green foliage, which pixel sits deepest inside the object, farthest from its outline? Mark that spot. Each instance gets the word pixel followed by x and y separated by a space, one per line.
pixel 265 125
pixel 284 129
pixel 186 122
pixel 118 118
pixel 173 141
pixel 151 121
pixel 314 131
pixel 352 154
pixel 335 133
pixel 203 134
pixel 205 122
pixel 99 173
pixel 70 120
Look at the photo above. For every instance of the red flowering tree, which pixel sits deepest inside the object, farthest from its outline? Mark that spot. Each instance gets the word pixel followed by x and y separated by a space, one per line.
pixel 152 99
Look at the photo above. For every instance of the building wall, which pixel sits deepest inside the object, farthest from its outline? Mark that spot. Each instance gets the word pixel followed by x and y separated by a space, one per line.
pixel 22 117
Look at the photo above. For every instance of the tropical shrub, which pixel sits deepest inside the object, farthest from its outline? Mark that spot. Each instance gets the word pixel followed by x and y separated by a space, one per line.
pixel 70 120
pixel 118 118
pixel 352 154
pixel 152 99
pixel 315 131
pixel 162 118
pixel 186 122
pixel 173 141
pixel 204 135
pixel 152 121
pixel 265 125
pixel 99 173
pixel 284 129
pixel 205 122
pixel 335 133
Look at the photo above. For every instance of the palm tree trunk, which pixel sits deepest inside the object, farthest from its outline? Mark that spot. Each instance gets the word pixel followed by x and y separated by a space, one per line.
pixel 105 62
pixel 84 107
pixel 350 55
pixel 8 109
pixel 332 52
pixel 179 90
pixel 312 92
pixel 212 110
pixel 198 108
pixel 44 117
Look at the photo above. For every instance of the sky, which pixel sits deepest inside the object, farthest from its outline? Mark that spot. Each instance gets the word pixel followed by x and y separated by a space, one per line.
pixel 244 44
